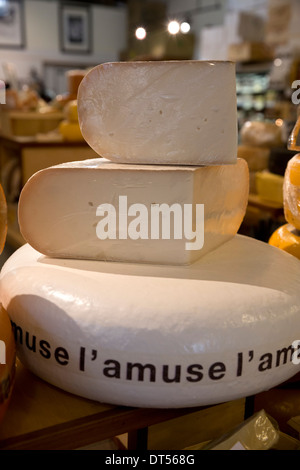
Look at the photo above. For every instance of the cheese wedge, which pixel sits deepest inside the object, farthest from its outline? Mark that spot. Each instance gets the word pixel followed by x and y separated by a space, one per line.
pixel 173 112
pixel 158 336
pixel 96 209
pixel 291 192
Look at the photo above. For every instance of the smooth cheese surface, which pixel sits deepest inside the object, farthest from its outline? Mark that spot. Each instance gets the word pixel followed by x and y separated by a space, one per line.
pixel 287 238
pixel 157 336
pixel 291 192
pixel 173 112
pixel 60 216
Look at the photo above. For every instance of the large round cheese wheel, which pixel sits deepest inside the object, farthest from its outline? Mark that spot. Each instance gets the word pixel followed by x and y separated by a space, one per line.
pixel 158 336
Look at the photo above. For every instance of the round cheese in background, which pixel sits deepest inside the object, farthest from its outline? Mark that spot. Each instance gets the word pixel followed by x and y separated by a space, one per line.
pixel 161 112
pixel 291 192
pixel 256 157
pixel 7 361
pixel 287 238
pixel 225 327
pixel 261 134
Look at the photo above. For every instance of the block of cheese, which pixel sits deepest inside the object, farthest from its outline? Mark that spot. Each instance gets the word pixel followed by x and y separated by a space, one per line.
pixel 291 192
pixel 256 157
pixel 158 336
pixel 269 186
pixel 287 238
pixel 96 209
pixel 173 112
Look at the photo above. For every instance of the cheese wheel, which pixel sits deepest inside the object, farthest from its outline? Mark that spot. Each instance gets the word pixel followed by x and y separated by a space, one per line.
pixel 158 336
pixel 261 134
pixel 291 192
pixel 172 112
pixel 287 238
pixel 7 361
pixel 256 157
pixel 134 213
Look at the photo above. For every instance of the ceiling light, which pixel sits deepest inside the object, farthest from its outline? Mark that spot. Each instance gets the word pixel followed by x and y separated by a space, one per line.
pixel 173 27
pixel 140 33
pixel 185 27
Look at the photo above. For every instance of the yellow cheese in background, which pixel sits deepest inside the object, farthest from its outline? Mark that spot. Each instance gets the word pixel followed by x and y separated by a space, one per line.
pixel 269 186
pixel 70 131
pixel 71 111
pixel 291 192
pixel 256 157
pixel 287 238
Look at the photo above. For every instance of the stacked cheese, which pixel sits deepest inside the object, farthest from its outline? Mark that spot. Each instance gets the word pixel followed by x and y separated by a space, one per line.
pixel 257 140
pixel 168 189
pixel 287 237
pixel 167 133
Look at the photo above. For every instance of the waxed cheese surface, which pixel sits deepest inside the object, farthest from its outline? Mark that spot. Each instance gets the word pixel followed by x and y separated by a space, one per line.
pixel 158 336
pixel 96 209
pixel 173 112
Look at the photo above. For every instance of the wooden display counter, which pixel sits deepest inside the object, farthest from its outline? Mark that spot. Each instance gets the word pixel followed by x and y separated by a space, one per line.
pixel 42 417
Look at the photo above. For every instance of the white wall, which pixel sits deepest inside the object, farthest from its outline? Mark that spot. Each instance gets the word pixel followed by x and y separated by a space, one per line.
pixel 109 27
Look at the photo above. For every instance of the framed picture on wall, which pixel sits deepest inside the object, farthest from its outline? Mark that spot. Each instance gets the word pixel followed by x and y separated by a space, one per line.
pixel 12 31
pixel 75 28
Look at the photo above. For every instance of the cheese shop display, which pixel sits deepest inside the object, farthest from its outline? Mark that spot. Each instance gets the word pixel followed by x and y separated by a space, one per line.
pixel 137 213
pixel 158 336
pixel 173 112
pixel 134 287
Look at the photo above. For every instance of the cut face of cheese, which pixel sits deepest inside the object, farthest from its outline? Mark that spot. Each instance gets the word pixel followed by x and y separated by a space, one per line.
pixel 174 112
pixel 96 209
pixel 291 192
pixel 157 336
